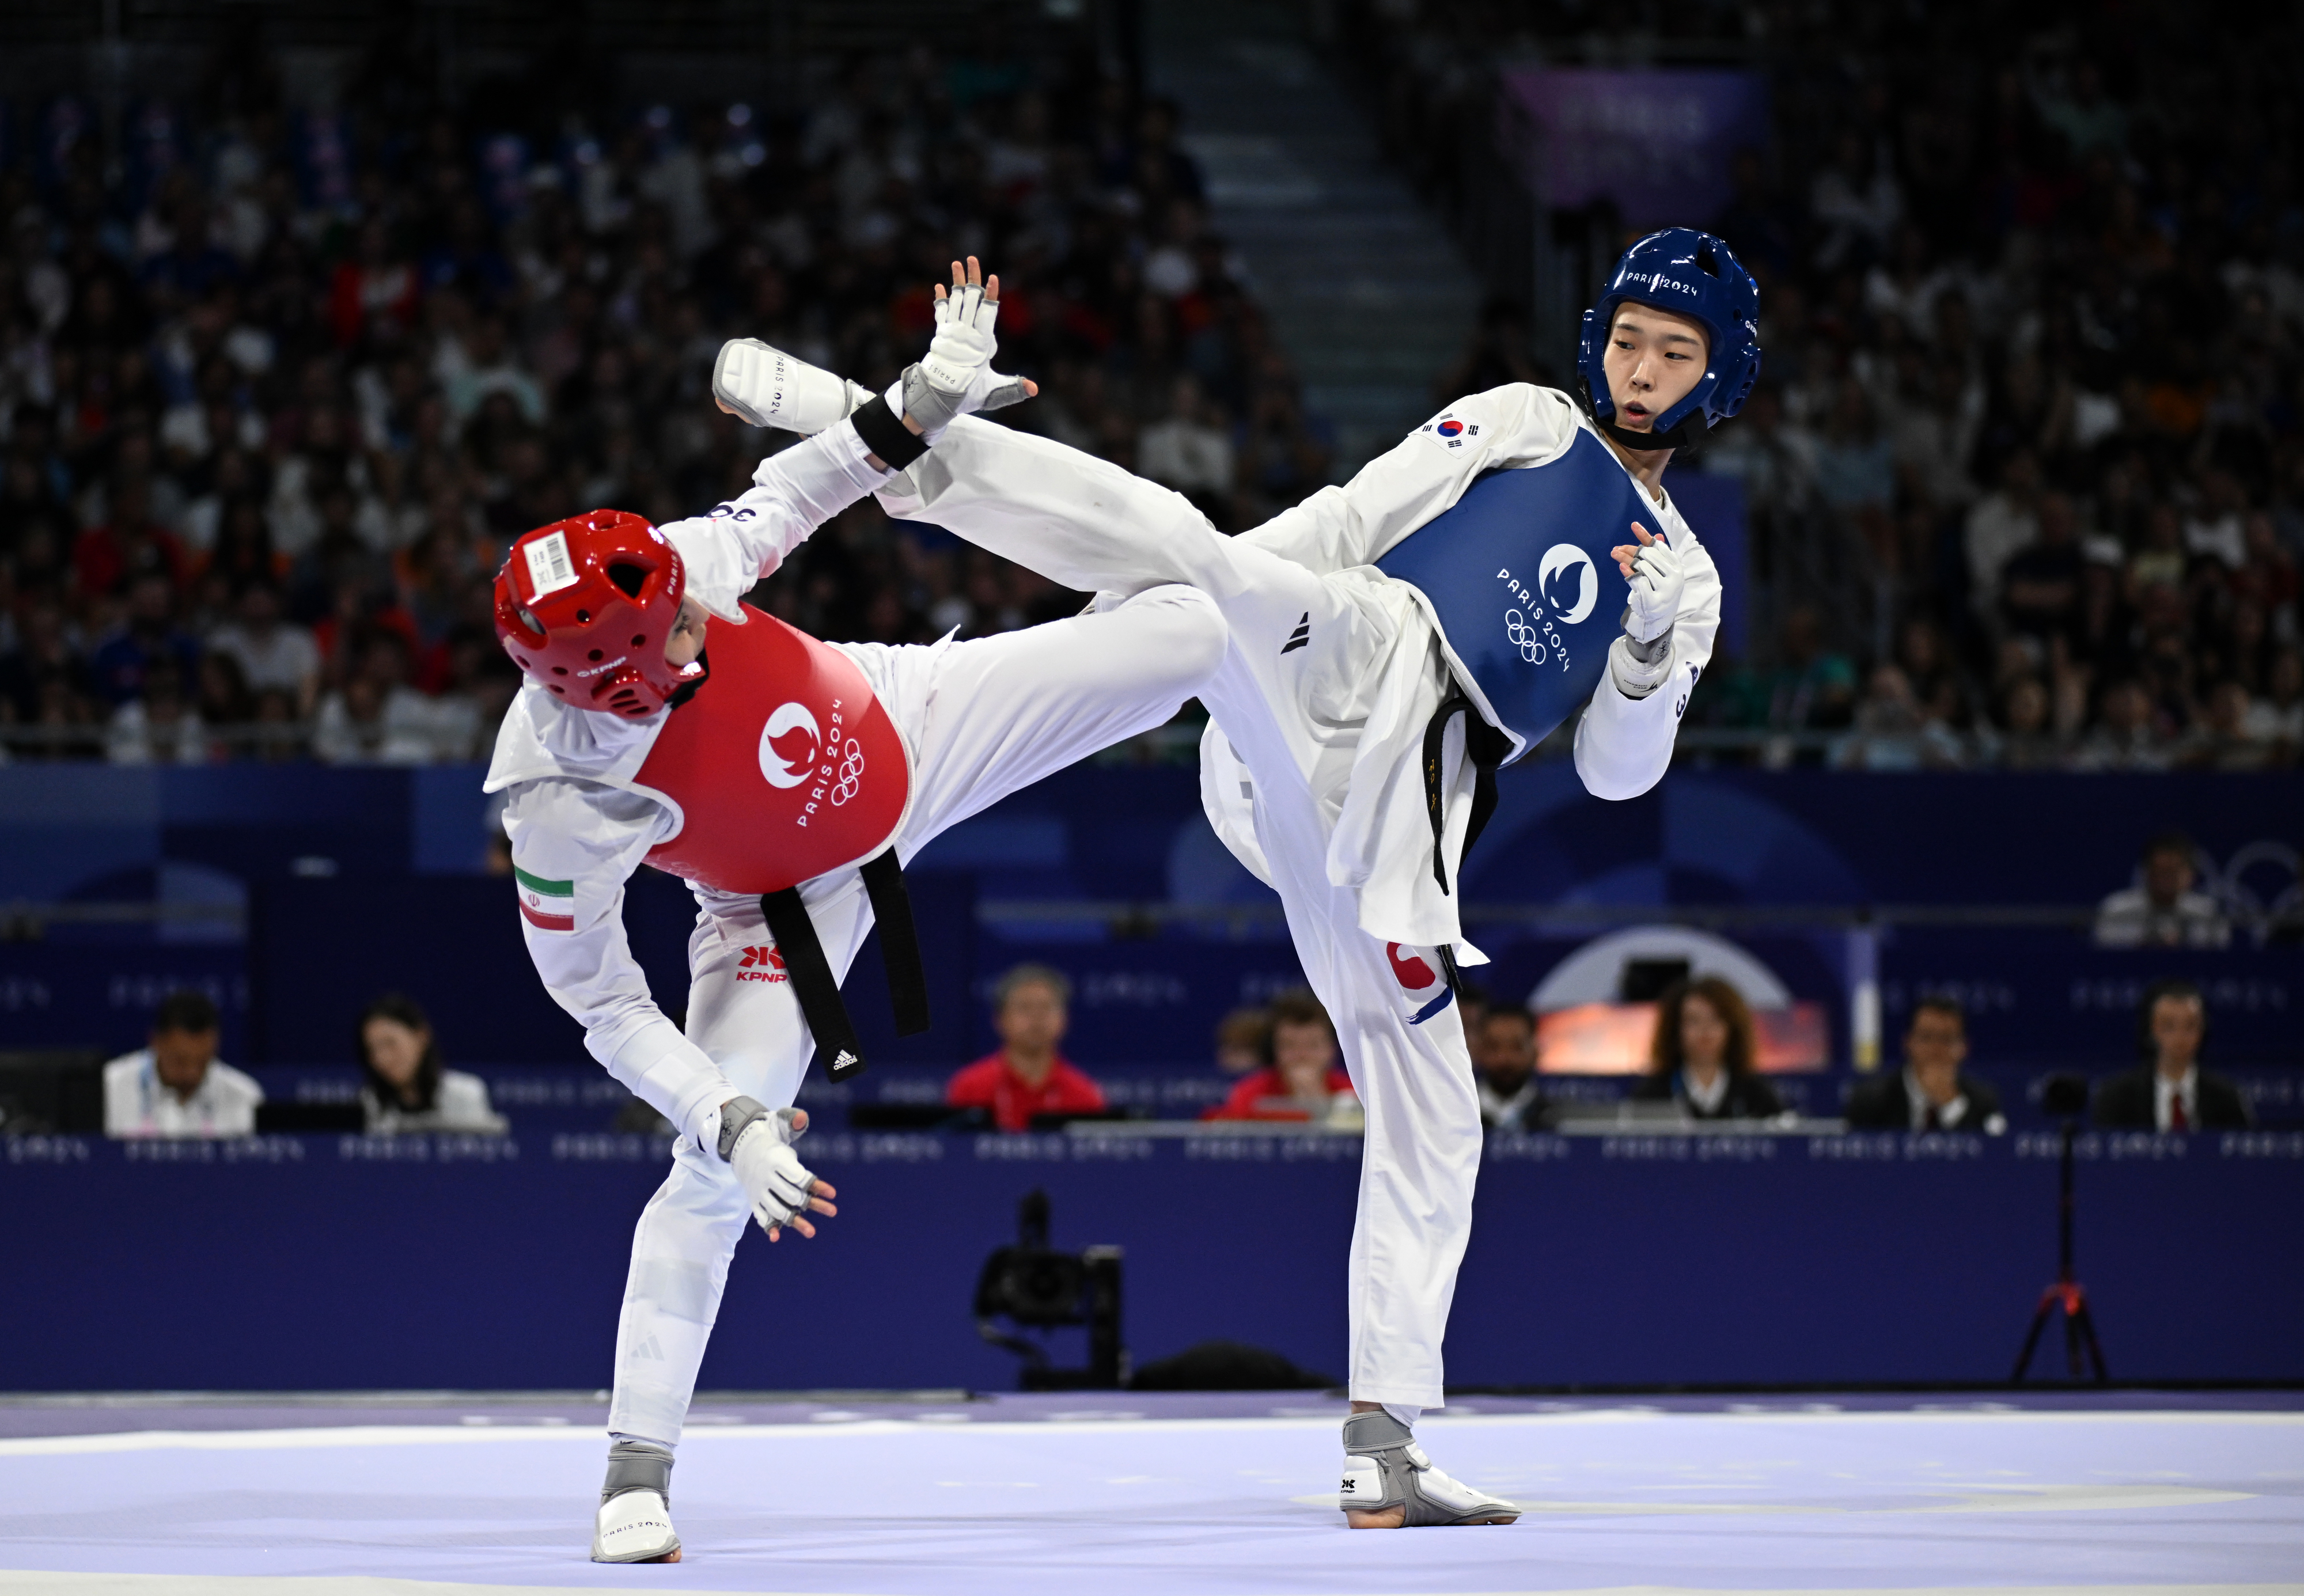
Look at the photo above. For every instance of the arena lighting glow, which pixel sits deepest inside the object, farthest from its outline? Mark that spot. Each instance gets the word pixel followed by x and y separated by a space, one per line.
pixel 1614 1039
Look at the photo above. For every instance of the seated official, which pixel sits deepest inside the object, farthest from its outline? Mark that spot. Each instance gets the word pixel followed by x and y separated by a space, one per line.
pixel 1702 1054
pixel 1504 1067
pixel 177 1087
pixel 2170 1091
pixel 1301 1079
pixel 1931 1092
pixel 1027 1077
pixel 403 1087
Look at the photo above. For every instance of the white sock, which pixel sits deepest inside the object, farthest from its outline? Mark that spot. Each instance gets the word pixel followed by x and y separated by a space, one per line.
pixel 1407 1414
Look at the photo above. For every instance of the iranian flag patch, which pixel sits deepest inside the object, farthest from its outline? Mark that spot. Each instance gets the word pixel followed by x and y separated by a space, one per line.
pixel 549 905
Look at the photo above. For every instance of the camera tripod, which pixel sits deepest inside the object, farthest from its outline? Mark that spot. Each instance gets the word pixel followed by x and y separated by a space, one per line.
pixel 2067 1293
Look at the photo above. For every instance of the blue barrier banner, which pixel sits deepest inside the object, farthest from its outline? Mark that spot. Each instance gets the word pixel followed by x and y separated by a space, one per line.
pixel 336 1263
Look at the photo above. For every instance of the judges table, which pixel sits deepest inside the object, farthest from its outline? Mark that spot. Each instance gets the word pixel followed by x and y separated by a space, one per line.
pixel 1645 1257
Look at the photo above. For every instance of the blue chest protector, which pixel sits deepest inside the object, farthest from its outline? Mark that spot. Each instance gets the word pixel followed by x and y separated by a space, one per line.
pixel 1515 571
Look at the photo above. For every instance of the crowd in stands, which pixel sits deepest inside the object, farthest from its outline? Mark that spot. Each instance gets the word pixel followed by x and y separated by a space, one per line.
pixel 2026 461
pixel 278 386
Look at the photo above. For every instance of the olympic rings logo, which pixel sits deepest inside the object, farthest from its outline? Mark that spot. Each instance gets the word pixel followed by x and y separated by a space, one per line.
pixel 851 772
pixel 1524 637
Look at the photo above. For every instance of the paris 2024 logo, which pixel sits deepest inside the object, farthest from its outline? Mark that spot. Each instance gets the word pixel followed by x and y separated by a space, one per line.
pixel 1567 585
pixel 796 750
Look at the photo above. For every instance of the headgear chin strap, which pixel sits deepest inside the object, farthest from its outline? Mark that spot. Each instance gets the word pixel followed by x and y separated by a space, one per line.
pixel 1646 443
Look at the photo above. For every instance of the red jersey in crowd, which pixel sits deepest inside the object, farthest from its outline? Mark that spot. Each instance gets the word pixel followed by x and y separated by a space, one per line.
pixel 1249 1100
pixel 990 1084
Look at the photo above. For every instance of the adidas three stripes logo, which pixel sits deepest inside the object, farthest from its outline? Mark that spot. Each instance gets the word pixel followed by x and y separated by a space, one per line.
pixel 1300 636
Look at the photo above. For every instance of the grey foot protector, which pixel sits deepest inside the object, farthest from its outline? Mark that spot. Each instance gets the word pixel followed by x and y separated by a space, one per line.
pixel 1383 1467
pixel 636 1465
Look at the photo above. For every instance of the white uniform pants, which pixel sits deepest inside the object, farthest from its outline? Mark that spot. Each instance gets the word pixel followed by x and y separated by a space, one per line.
pixel 983 719
pixel 1293 715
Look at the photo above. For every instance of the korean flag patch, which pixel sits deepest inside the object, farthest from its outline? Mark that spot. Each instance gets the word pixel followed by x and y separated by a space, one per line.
pixel 1449 431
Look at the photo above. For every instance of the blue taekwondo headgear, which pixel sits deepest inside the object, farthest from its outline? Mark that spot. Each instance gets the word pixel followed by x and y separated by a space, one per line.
pixel 1695 275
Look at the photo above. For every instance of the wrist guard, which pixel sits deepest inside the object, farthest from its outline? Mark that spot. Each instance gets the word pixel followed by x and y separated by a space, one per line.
pixel 735 1114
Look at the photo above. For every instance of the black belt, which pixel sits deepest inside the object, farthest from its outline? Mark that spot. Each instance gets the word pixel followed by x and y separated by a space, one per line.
pixel 1486 747
pixel 810 973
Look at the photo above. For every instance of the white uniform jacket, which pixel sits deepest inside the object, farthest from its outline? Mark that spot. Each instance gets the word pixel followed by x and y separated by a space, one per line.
pixel 578 829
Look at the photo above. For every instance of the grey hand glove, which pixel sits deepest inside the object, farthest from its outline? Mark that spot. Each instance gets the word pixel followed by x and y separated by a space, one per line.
pixel 955 378
pixel 757 1146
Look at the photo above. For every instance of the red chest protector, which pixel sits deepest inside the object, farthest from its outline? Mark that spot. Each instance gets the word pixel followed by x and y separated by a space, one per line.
pixel 783 766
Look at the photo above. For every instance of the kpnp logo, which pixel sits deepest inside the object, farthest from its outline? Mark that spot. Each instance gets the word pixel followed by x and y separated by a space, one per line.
pixel 789 745
pixel 762 964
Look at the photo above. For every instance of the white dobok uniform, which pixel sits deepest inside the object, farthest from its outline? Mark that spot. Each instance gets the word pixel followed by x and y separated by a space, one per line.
pixel 978 720
pixel 1311 772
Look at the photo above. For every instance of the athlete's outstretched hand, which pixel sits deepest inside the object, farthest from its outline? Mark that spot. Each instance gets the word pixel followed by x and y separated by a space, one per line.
pixel 784 1193
pixel 956 377
pixel 1653 567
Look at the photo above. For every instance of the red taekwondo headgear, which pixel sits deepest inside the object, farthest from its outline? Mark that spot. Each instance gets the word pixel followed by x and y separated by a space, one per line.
pixel 584 606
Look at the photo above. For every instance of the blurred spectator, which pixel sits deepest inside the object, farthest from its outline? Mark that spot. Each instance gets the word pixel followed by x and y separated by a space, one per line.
pixel 2277 717
pixel 1189 450
pixel 377 718
pixel 1241 1039
pixel 2040 583
pixel 1814 688
pixel 1472 1004
pixel 1301 1079
pixel 160 726
pixel 1503 1064
pixel 1703 1054
pixel 1027 1077
pixel 2002 522
pixel 177 1087
pixel 2125 738
pixel 1893 731
pixel 272 654
pixel 1931 1092
pixel 2163 910
pixel 2170 1091
pixel 403 1085
pixel 1495 354
pixel 146 639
